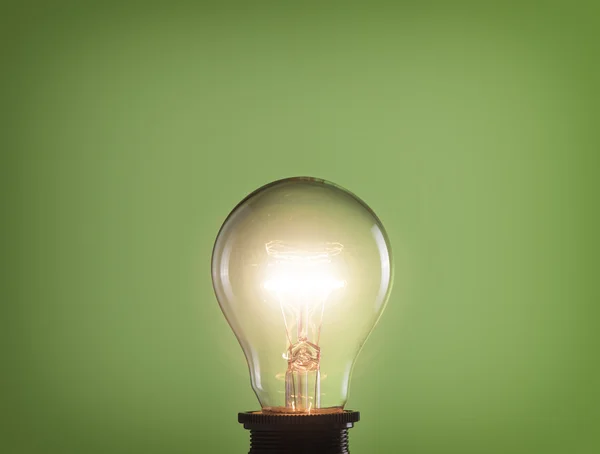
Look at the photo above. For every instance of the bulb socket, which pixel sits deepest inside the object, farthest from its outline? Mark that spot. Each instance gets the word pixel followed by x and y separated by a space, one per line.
pixel 299 434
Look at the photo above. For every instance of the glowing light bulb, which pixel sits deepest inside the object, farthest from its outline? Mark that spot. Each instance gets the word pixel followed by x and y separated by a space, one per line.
pixel 302 271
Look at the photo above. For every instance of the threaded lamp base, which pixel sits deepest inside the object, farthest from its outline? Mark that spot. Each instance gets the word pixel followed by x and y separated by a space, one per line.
pixel 299 434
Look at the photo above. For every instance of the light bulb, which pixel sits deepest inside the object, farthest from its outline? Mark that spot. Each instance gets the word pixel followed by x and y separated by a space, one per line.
pixel 302 270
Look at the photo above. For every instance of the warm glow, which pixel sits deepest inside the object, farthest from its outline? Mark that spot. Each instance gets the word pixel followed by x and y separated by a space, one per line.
pixel 300 283
pixel 302 272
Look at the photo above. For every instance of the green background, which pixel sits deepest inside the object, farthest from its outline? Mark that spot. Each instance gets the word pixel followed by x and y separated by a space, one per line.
pixel 130 130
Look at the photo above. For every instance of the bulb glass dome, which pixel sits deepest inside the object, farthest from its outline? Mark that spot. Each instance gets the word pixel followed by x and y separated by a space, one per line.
pixel 302 270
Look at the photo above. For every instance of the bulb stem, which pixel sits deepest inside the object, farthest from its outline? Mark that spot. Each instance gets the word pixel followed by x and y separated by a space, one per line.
pixel 303 377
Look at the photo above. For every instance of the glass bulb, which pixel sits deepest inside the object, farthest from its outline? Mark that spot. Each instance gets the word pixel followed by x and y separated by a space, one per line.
pixel 302 270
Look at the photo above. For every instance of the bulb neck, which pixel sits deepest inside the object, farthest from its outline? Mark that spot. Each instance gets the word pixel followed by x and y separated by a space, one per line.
pixel 299 434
